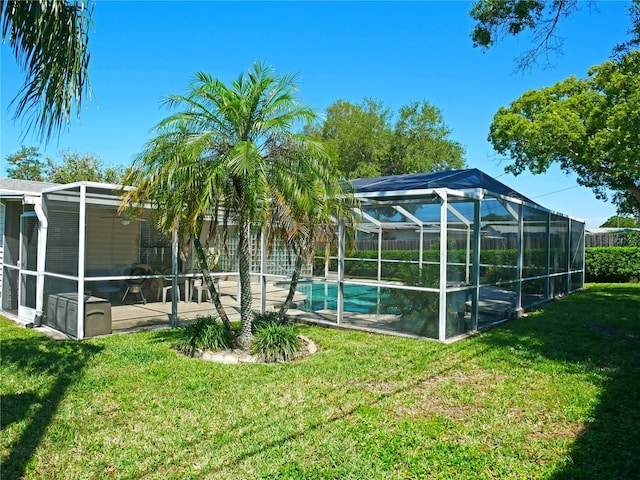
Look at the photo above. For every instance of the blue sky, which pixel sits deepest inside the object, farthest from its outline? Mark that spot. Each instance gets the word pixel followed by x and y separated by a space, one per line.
pixel 395 52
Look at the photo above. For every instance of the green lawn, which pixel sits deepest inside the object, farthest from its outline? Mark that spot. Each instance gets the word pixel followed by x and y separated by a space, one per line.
pixel 554 395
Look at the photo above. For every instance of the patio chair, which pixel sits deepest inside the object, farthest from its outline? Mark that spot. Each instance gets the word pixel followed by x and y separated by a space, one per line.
pixel 200 286
pixel 167 285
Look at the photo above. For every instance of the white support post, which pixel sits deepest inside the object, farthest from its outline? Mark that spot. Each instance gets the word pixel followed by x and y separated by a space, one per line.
pixel 477 245
pixel 520 258
pixel 175 292
pixel 43 224
pixel 82 238
pixel 442 311
pixel 327 259
pixel 584 269
pixel 341 250
pixel 421 246
pixel 263 272
pixel 468 259
pixel 547 283
pixel 568 263
pixel 379 252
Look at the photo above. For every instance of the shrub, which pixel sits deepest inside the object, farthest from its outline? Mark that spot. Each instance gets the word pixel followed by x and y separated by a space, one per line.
pixel 267 318
pixel 206 333
pixel 632 238
pixel 612 264
pixel 275 342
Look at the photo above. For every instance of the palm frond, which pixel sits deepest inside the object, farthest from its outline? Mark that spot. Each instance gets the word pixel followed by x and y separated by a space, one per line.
pixel 49 39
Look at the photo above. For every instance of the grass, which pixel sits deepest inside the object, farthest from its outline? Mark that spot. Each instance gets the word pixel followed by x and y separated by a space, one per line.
pixel 554 395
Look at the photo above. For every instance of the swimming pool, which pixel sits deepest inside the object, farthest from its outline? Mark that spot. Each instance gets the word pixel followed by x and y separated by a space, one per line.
pixel 324 296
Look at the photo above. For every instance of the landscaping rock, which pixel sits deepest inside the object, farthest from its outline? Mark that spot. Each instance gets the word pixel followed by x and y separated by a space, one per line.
pixel 235 356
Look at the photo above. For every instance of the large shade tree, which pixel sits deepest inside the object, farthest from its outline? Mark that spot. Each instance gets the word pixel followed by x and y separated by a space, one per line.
pixel 589 126
pixel 358 134
pixel 49 39
pixel 369 140
pixel 541 21
pixel 228 154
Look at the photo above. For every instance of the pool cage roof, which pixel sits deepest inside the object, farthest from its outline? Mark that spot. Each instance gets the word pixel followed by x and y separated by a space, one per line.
pixel 427 188
pixel 469 180
pixel 462 251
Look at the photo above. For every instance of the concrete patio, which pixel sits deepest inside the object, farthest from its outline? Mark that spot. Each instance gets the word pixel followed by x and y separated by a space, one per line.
pixel 139 316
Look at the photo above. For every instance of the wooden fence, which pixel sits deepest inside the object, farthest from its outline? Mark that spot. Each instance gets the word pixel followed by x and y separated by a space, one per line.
pixel 488 243
pixel 606 240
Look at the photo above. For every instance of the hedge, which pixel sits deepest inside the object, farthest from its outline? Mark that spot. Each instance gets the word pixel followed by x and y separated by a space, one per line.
pixel 603 264
pixel 612 264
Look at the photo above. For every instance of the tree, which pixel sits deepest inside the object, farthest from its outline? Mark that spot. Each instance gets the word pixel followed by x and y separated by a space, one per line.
pixel 26 165
pixel 49 39
pixel 620 221
pixel 72 167
pixel 499 18
pixel 588 126
pixel 220 157
pixel 421 142
pixel 357 134
pixel 304 213
pixel 75 167
pixel 367 143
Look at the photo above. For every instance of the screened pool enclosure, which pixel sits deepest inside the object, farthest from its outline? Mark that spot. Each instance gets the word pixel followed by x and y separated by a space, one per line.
pixel 436 256
pixel 441 255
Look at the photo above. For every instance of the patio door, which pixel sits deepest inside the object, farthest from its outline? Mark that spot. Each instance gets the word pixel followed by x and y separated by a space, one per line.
pixel 28 263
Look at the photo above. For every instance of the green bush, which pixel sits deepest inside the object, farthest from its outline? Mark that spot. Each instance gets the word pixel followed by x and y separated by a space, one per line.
pixel 632 238
pixel 267 318
pixel 274 342
pixel 206 333
pixel 602 264
pixel 612 264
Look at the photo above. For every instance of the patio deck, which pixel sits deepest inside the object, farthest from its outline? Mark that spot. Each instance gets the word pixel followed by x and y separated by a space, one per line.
pixel 128 318
pixel 138 317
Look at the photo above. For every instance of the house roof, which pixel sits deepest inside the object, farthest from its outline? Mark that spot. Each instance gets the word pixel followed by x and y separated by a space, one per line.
pixel 470 178
pixel 11 187
pixel 603 230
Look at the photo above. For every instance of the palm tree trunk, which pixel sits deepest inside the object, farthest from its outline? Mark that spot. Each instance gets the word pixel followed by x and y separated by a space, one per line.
pixel 215 295
pixel 295 276
pixel 244 272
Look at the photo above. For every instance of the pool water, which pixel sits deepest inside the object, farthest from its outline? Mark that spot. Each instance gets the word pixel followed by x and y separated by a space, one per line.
pixel 323 296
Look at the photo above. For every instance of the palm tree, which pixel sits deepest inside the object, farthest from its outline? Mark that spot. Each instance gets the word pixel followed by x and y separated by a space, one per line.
pixel 49 39
pixel 220 157
pixel 306 212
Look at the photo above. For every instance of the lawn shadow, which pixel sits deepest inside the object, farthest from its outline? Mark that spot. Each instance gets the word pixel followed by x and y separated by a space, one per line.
pixel 596 331
pixel 342 413
pixel 60 364
pixel 166 336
